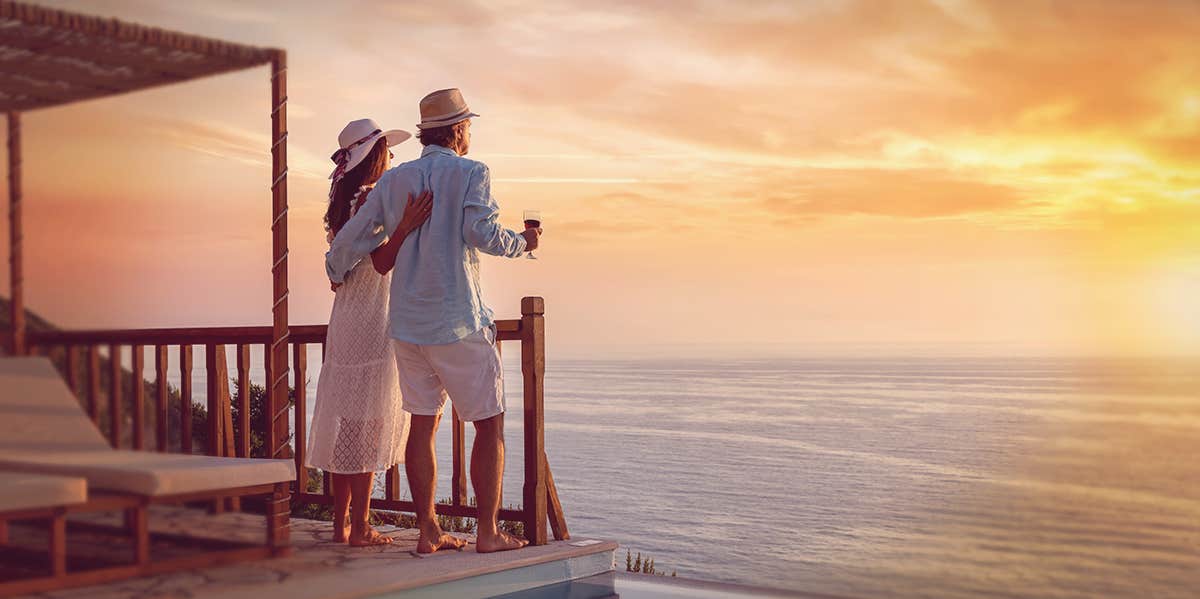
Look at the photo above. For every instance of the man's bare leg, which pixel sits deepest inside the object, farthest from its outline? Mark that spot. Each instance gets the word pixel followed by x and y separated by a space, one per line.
pixel 361 533
pixel 341 506
pixel 420 464
pixel 487 475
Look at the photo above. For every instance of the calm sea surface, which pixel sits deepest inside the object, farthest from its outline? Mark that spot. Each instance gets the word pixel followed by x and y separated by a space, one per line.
pixel 908 478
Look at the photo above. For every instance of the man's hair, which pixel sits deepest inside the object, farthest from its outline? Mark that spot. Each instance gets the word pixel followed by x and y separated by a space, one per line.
pixel 447 137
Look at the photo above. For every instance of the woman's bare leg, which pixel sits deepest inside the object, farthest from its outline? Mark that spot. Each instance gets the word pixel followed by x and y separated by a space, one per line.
pixel 361 533
pixel 341 506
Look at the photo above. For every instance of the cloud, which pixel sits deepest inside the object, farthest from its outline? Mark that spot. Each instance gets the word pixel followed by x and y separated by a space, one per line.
pixel 814 193
pixel 232 143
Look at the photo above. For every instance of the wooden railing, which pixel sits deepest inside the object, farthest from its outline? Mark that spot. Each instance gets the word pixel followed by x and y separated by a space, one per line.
pixel 540 499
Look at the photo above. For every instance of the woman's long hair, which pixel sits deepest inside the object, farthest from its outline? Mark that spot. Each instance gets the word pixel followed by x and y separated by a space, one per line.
pixel 342 192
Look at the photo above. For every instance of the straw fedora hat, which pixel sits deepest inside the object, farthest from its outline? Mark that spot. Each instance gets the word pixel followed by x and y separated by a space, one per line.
pixel 443 107
pixel 356 140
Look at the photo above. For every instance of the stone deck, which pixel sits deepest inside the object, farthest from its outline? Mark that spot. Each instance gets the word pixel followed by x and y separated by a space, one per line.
pixel 321 569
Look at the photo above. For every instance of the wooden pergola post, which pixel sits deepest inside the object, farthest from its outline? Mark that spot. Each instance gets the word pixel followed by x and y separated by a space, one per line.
pixel 277 361
pixel 16 280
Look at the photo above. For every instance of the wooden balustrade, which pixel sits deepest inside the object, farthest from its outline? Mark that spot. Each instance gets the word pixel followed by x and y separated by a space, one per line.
pixel 225 438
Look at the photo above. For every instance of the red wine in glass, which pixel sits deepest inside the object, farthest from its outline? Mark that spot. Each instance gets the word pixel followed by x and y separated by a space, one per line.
pixel 533 220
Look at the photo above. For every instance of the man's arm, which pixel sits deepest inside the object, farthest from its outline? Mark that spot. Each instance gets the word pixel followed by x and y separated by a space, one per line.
pixel 359 236
pixel 480 215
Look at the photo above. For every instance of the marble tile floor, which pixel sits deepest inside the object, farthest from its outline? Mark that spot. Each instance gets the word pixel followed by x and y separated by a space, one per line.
pixel 318 568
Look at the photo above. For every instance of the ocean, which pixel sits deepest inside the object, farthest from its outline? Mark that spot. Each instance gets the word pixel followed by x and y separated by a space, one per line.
pixel 914 477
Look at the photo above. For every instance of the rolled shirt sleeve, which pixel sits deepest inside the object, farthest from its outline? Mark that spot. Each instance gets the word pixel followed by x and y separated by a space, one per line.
pixel 364 232
pixel 481 229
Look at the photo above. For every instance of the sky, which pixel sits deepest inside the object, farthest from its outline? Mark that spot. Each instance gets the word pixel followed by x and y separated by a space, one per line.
pixel 724 178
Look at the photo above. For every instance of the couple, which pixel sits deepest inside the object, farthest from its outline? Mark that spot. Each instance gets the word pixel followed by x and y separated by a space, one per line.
pixel 434 338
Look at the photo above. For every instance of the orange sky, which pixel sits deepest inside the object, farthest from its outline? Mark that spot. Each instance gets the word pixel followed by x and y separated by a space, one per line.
pixel 745 178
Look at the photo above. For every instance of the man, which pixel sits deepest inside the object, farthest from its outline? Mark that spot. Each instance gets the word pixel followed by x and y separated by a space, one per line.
pixel 442 333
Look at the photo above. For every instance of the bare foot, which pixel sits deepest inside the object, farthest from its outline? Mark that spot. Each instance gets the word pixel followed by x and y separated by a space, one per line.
pixel 501 542
pixel 339 532
pixel 435 541
pixel 368 537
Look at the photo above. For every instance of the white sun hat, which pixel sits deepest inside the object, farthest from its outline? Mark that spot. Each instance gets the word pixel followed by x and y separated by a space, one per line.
pixel 356 141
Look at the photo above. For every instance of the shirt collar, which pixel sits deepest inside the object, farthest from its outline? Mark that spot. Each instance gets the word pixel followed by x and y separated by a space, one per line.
pixel 434 148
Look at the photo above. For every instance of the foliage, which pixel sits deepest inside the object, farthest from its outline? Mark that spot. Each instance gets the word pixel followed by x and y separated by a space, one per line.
pixel 640 565
pixel 258 420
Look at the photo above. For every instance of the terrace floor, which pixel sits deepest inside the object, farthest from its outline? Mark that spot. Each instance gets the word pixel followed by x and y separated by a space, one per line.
pixel 320 568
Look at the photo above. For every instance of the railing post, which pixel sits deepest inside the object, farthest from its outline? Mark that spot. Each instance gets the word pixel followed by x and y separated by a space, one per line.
pixel 73 368
pixel 93 382
pixel 185 397
pixel 114 394
pixel 161 425
pixel 533 370
pixel 243 367
pixel 217 388
pixel 300 436
pixel 458 478
pixel 138 357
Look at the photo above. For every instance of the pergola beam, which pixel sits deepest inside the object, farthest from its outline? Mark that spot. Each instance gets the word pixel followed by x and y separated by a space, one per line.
pixel 54 57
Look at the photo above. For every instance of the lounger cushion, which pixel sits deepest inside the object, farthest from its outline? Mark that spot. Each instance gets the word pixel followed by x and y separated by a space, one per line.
pixel 23 491
pixel 43 429
pixel 155 474
pixel 39 413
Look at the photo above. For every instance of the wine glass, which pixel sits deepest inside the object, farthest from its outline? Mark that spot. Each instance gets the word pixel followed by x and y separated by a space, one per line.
pixel 533 220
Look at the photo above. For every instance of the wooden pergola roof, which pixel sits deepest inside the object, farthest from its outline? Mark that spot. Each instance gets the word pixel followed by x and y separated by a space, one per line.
pixel 52 57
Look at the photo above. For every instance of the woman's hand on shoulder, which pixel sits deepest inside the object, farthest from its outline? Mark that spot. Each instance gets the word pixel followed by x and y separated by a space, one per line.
pixel 416 212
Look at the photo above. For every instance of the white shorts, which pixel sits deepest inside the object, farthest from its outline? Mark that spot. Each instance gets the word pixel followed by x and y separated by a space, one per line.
pixel 468 370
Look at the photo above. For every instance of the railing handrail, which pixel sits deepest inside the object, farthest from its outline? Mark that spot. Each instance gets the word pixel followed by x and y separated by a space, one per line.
pixel 540 498
pixel 508 330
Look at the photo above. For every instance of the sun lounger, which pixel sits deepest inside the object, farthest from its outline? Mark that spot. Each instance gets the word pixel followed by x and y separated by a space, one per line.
pixel 43 430
pixel 25 496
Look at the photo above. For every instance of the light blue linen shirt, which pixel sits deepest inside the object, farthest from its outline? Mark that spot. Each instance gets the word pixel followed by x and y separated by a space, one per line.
pixel 435 295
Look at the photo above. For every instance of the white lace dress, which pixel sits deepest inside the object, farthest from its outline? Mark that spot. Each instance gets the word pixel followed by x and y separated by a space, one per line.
pixel 358 425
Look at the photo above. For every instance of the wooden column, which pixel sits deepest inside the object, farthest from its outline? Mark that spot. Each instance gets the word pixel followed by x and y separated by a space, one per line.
pixel 278 527
pixel 15 275
pixel 278 360
pixel 533 370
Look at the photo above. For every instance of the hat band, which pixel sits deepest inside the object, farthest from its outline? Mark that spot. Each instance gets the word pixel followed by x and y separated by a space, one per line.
pixel 444 117
pixel 344 153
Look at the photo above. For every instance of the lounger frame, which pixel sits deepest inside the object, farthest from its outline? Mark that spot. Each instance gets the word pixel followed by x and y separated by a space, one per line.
pixel 135 508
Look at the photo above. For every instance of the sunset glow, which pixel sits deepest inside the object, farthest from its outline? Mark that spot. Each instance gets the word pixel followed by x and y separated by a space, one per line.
pixel 945 176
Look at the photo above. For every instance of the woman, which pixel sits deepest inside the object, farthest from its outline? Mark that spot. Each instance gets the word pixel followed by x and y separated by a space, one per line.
pixel 358 426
